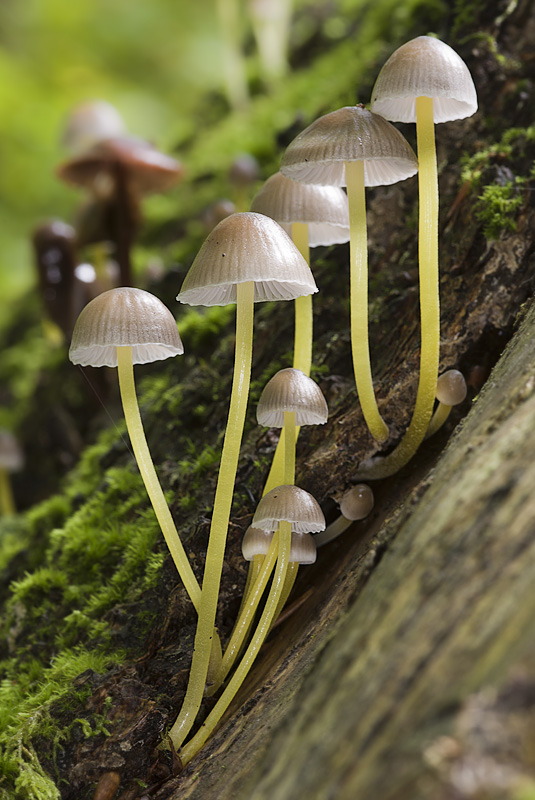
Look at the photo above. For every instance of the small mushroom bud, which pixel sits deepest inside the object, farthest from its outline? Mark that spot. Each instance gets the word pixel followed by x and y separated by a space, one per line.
pixel 358 502
pixel 451 391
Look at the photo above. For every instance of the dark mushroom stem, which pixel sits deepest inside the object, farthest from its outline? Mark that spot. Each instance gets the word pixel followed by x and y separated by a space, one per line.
pixel 125 216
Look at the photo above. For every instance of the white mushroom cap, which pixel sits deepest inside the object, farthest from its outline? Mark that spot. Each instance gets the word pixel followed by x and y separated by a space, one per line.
pixel 323 208
pixel 424 67
pixel 246 247
pixel 352 133
pixel 357 502
pixel 291 390
pixel 303 549
pixel 124 317
pixel 289 503
pixel 451 388
pixel 255 542
pixel 11 456
pixel 89 123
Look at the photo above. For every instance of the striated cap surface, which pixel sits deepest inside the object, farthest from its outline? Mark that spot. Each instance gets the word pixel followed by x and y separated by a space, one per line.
pixel 255 542
pixel 323 208
pixel 351 133
pixel 124 317
pixel 246 247
pixel 289 503
pixel 291 390
pixel 424 67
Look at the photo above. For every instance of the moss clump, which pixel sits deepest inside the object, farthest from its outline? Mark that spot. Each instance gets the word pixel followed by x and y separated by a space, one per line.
pixel 496 207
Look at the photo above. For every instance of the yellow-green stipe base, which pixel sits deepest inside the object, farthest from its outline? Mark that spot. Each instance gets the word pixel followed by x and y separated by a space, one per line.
pixel 243 625
pixel 268 615
pixel 429 300
pixel 7 503
pixel 134 426
pixel 438 419
pixel 358 255
pixel 221 514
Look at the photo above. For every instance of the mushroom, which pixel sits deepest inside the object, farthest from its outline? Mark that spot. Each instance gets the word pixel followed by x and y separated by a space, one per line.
pixel 312 215
pixel 288 509
pixel 11 460
pixel 54 245
pixel 89 123
pixel 247 258
pixel 451 391
pixel 356 504
pixel 117 172
pixel 426 82
pixel 355 148
pixel 120 328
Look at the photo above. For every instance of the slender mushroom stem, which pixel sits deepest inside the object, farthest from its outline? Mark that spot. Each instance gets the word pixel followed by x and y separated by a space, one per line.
pixel 358 247
pixel 302 351
pixel 333 531
pixel 429 300
pixel 245 619
pixel 268 614
pixel 7 503
pixel 438 419
pixel 134 425
pixel 221 514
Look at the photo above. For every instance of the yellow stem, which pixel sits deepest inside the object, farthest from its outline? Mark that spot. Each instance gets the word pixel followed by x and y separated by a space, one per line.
pixel 290 437
pixel 148 473
pixel 303 307
pixel 291 576
pixel 7 503
pixel 268 614
pixel 438 419
pixel 358 254
pixel 246 616
pixel 333 531
pixel 429 298
pixel 221 514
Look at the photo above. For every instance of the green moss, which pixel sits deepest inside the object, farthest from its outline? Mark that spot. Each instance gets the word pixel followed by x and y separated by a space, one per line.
pixel 513 144
pixel 496 208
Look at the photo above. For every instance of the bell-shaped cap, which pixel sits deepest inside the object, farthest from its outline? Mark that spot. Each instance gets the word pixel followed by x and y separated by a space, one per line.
pixel 147 169
pixel 357 502
pixel 318 154
pixel 246 247
pixel 255 542
pixel 451 387
pixel 289 503
pixel 424 67
pixel 89 123
pixel 323 208
pixel 124 317
pixel 303 549
pixel 11 455
pixel 291 390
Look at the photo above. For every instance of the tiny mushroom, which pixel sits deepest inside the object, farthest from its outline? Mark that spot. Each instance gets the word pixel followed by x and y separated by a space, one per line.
pixel 247 258
pixel 356 504
pixel 451 391
pixel 120 328
pixel 355 148
pixel 286 510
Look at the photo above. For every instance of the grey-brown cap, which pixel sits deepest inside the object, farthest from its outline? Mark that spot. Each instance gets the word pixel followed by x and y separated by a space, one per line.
pixel 89 123
pixel 246 247
pixel 289 503
pixel 357 502
pixel 124 317
pixel 148 169
pixel 291 390
pixel 323 208
pixel 352 133
pixel 11 455
pixel 255 542
pixel 424 67
pixel 303 549
pixel 451 387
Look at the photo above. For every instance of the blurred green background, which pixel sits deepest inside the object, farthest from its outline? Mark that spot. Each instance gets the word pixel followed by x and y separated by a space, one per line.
pixel 150 59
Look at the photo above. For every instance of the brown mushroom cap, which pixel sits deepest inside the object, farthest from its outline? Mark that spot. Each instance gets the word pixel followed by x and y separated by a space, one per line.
pixel 255 542
pixel 302 549
pixel 424 67
pixel 323 208
pixel 289 503
pixel 246 247
pixel 124 317
pixel 451 388
pixel 352 133
pixel 147 169
pixel 357 502
pixel 89 123
pixel 291 390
